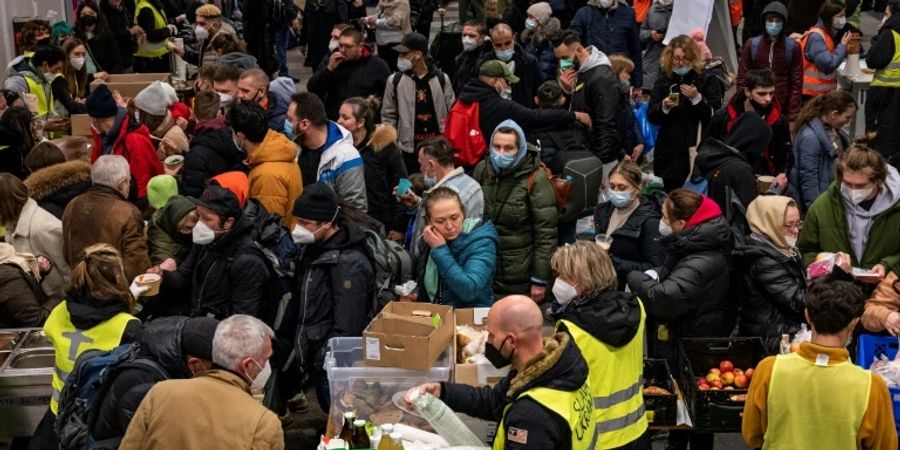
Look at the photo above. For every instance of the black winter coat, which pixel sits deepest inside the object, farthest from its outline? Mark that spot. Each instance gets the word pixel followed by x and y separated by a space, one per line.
pixel 12 153
pixel 601 98
pixel 119 21
pixel 467 64
pixel 212 152
pixel 778 148
pixel 361 78
pixel 493 109
pixel 678 128
pixel 229 276
pixel 725 167
pixel 771 290
pixel 333 289
pixel 611 317
pixel 384 168
pixel 105 50
pixel 692 294
pixel 546 428
pixel 883 103
pixel 527 69
pixel 637 243
pixel 161 358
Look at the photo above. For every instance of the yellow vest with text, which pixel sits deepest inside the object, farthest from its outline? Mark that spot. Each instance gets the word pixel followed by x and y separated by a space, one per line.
pixel 151 49
pixel 890 75
pixel 43 92
pixel 616 385
pixel 803 410
pixel 69 342
pixel 573 406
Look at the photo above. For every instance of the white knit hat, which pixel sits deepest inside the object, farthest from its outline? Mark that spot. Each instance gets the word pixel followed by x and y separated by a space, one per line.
pixel 541 11
pixel 154 99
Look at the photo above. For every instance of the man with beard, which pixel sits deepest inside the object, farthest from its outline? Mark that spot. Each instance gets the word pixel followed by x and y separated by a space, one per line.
pixel 757 97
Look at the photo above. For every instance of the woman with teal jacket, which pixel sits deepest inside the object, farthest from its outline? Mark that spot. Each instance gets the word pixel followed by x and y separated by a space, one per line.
pixel 456 265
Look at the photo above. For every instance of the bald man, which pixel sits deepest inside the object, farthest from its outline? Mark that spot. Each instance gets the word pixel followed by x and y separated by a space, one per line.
pixel 523 64
pixel 274 96
pixel 545 400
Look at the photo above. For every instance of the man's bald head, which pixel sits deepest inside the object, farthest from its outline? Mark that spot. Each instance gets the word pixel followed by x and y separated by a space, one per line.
pixel 516 314
pixel 501 30
pixel 502 38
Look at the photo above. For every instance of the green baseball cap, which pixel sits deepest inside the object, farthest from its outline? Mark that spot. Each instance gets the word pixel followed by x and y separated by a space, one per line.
pixel 497 69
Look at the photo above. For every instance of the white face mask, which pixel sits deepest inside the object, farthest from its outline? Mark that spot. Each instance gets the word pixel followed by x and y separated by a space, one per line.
pixel 856 196
pixel 664 229
pixel 301 235
pixel 262 377
pixel 838 23
pixel 201 33
pixel 506 93
pixel 564 292
pixel 606 3
pixel 203 234
pixel 333 45
pixel 469 43
pixel 77 63
pixel 791 241
pixel 404 64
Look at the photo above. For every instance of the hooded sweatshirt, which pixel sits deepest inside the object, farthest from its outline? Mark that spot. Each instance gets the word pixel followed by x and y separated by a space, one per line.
pixel 275 178
pixel 860 220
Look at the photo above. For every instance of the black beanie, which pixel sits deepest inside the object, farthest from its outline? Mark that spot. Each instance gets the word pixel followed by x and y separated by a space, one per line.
pixel 197 337
pixel 101 104
pixel 317 202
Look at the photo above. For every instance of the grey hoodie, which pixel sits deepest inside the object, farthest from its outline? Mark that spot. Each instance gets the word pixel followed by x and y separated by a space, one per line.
pixel 859 221
pixel 597 58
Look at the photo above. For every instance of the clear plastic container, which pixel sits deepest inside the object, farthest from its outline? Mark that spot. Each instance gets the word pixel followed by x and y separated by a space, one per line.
pixel 370 391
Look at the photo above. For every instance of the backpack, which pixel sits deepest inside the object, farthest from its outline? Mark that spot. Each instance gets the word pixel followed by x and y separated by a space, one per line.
pixel 85 389
pixel 464 134
pixel 788 49
pixel 280 252
pixel 392 265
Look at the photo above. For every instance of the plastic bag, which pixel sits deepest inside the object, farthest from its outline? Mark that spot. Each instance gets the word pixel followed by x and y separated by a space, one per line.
pixel 647 129
pixel 823 266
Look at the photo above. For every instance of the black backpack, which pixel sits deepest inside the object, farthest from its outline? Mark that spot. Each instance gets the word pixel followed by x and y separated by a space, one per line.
pixel 392 265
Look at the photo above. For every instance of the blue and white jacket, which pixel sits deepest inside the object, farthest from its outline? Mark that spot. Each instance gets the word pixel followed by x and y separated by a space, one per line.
pixel 342 167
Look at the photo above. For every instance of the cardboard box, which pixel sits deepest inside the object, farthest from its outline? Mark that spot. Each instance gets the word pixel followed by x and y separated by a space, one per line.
pixel 398 338
pixel 74 147
pixel 484 374
pixel 81 125
pixel 129 85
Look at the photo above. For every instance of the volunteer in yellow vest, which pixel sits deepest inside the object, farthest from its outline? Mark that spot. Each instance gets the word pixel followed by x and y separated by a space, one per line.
pixel 545 400
pixel 34 75
pixel 821 55
pixel 152 55
pixel 95 315
pixel 608 327
pixel 817 395
pixel 883 100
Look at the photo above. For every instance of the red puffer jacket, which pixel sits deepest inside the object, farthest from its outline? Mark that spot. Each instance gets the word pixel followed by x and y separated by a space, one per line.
pixel 133 142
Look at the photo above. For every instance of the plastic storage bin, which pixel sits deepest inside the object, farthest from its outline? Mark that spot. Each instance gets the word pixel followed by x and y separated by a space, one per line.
pixel 868 348
pixel 370 391
pixel 662 410
pixel 715 411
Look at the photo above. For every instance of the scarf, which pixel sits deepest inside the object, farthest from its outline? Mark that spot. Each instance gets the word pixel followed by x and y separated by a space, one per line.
pixel 620 216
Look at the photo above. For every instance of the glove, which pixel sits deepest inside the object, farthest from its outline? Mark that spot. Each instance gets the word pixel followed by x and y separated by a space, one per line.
pixel 173 30
pixel 136 289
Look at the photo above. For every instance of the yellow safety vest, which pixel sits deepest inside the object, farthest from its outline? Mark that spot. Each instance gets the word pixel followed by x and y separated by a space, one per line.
pixel 803 410
pixel 575 407
pixel 890 75
pixel 43 92
pixel 152 49
pixel 616 385
pixel 69 342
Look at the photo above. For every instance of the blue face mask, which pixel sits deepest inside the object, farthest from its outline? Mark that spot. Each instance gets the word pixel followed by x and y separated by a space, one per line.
pixel 774 28
pixel 289 129
pixel 566 64
pixel 530 24
pixel 619 199
pixel 505 55
pixel 502 162
pixel 682 70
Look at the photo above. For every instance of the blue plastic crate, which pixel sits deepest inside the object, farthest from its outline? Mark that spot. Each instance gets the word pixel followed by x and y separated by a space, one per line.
pixel 870 346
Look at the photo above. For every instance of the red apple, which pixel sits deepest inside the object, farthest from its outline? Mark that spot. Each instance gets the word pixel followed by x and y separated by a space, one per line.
pixel 726 366
pixel 715 371
pixel 738 372
pixel 717 384
pixel 741 381
pixel 727 378
pixel 749 373
pixel 703 387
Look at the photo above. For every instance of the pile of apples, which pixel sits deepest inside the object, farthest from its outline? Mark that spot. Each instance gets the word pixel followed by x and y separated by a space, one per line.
pixel 725 377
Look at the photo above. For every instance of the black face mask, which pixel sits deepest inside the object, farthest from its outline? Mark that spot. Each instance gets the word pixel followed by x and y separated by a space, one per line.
pixel 43 42
pixel 88 21
pixel 495 356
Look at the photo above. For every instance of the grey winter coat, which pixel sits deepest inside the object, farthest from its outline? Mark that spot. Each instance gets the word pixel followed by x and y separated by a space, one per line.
pixel 814 157
pixel 657 19
pixel 393 21
pixel 399 107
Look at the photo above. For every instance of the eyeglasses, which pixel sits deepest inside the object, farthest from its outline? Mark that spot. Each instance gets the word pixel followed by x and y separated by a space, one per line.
pixel 679 59
pixel 794 226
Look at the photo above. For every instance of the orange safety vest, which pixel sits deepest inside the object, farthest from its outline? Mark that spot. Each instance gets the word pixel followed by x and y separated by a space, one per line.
pixel 815 82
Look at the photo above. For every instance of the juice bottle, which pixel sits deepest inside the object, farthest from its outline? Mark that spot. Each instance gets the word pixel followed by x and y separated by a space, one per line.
pixel 360 438
pixel 396 442
pixel 347 428
pixel 385 442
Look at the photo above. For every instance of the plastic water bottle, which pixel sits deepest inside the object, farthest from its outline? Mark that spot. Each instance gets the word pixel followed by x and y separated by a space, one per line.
pixel 443 419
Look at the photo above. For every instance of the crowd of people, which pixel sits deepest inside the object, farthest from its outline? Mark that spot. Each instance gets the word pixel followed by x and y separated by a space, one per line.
pixel 275 218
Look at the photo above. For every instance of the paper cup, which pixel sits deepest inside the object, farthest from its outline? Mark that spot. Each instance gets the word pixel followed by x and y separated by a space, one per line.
pixel 763 182
pixel 149 279
pixel 173 162
pixel 604 241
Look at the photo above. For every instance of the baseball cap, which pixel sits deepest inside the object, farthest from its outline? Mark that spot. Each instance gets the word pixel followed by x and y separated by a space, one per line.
pixel 497 69
pixel 412 41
